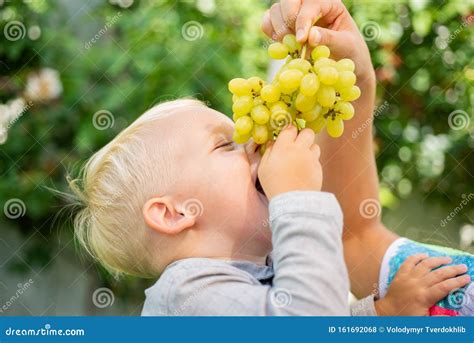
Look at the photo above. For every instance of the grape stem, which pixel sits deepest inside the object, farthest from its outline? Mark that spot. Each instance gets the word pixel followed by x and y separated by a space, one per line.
pixel 303 52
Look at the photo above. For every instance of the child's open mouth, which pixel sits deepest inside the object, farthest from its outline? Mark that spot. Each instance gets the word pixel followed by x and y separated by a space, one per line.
pixel 259 187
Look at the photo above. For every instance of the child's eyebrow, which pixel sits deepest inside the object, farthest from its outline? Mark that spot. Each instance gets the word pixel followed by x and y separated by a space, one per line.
pixel 221 129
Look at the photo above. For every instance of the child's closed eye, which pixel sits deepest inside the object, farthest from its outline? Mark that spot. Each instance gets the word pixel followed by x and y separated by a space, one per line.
pixel 227 145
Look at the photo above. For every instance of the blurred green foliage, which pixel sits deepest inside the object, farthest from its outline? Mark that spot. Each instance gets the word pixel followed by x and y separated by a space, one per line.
pixel 422 51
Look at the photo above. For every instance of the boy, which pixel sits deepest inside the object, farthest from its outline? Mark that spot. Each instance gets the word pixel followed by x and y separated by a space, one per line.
pixel 373 254
pixel 172 194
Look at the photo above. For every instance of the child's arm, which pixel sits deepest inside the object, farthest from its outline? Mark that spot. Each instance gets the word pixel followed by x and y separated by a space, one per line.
pixel 310 277
pixel 418 285
pixel 348 163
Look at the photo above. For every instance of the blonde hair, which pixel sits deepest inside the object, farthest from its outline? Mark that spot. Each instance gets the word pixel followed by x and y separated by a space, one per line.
pixel 112 188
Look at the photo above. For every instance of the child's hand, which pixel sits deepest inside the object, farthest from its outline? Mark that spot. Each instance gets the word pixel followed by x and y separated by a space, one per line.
pixel 335 28
pixel 291 163
pixel 416 287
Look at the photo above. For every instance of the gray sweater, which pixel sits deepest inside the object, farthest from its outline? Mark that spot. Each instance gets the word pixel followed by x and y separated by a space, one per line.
pixel 306 274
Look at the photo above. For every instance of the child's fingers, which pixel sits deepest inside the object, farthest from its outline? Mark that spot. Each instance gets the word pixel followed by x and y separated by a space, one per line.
pixel 287 135
pixel 279 27
pixel 316 149
pixel 305 138
pixel 430 263
pixel 411 262
pixel 268 150
pixel 444 273
pixel 267 27
pixel 442 289
pixel 308 16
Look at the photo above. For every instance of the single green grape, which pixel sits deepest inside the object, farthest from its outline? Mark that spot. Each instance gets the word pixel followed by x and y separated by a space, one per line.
pixel 277 51
pixel 291 43
pixel 301 64
pixel 260 134
pixel 326 96
pixel 312 114
pixel 350 93
pixel 258 101
pixel 239 86
pixel 345 110
pixel 244 125
pixel 260 114
pixel 256 83
pixel 317 124
pixel 345 65
pixel 346 79
pixel 270 93
pixel 236 116
pixel 242 105
pixel 240 139
pixel 309 84
pixel 321 51
pixel 304 103
pixel 335 126
pixel 289 80
pixel 323 62
pixel 328 75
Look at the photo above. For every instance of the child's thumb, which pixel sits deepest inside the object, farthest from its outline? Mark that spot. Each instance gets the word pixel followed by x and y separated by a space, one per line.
pixel 334 40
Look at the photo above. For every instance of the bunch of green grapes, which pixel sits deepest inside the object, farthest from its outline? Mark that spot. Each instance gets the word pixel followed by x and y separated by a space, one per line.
pixel 314 92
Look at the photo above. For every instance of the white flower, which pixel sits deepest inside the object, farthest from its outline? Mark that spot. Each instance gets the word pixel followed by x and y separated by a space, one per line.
pixel 44 85
pixel 9 114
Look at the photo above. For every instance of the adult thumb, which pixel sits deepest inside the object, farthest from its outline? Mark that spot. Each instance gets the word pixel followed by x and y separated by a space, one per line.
pixel 336 41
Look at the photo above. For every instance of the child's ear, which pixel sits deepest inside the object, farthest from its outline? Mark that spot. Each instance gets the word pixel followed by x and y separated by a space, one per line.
pixel 161 215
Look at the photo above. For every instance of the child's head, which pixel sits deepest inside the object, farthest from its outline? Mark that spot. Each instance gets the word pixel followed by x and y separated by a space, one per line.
pixel 172 185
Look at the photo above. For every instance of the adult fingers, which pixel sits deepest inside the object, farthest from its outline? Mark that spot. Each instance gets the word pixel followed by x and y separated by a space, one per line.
pixel 279 27
pixel 337 41
pixel 307 17
pixel 289 10
pixel 267 27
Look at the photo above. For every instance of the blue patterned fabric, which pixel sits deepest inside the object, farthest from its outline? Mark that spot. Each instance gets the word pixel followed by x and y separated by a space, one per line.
pixel 461 300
